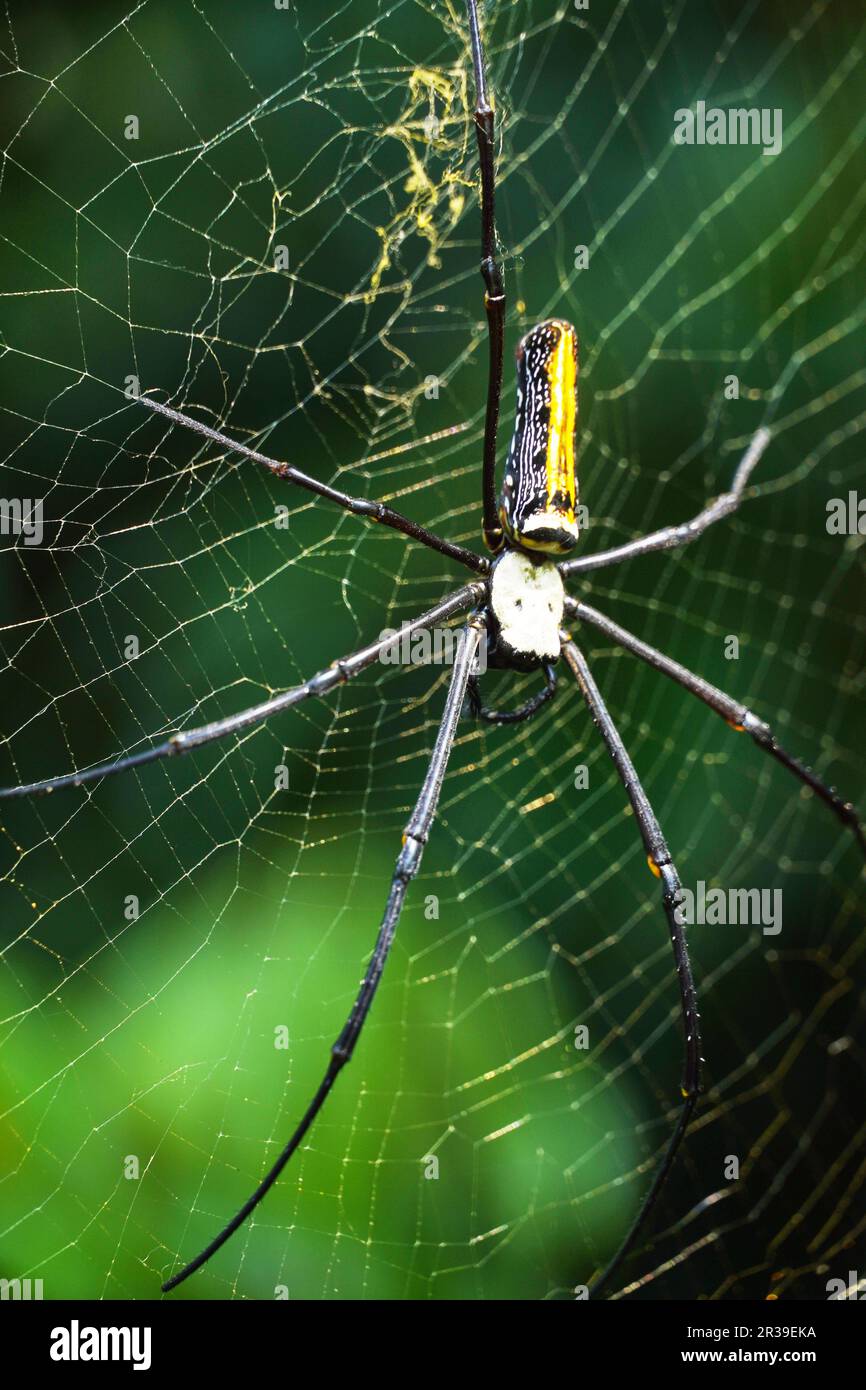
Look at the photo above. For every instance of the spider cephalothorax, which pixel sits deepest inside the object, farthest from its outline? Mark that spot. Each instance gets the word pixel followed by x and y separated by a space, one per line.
pixel 526 602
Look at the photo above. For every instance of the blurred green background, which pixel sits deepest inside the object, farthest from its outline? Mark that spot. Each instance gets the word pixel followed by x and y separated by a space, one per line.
pixel 347 141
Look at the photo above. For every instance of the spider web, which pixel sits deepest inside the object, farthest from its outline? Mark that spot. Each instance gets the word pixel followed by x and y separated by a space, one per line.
pixel 289 250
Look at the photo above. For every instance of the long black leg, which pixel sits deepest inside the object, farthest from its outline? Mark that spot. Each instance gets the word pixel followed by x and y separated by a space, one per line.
pixel 671 536
pixel 662 866
pixel 359 506
pixel 408 860
pixel 494 292
pixel 515 716
pixel 319 684
pixel 739 716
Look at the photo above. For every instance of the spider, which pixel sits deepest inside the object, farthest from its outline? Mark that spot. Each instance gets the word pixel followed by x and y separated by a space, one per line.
pixel 517 605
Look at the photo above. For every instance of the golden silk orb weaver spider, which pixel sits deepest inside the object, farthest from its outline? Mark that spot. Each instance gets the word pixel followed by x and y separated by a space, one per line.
pixel 517 606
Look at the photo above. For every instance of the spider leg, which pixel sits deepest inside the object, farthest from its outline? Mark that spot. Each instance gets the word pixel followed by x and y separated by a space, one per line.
pixel 659 858
pixel 671 536
pixel 739 716
pixel 414 839
pixel 359 506
pixel 319 684
pixel 516 716
pixel 494 292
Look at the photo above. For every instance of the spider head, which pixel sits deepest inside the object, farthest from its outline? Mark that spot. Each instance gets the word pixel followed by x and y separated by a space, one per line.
pixel 525 607
pixel 537 506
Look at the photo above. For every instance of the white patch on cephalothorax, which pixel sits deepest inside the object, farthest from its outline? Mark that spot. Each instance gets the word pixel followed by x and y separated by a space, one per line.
pixel 528 601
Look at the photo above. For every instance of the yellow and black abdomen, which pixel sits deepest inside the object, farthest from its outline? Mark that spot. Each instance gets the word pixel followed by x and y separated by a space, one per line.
pixel 538 502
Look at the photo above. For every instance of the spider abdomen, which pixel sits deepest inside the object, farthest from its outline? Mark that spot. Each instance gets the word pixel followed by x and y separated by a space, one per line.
pixel 537 506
